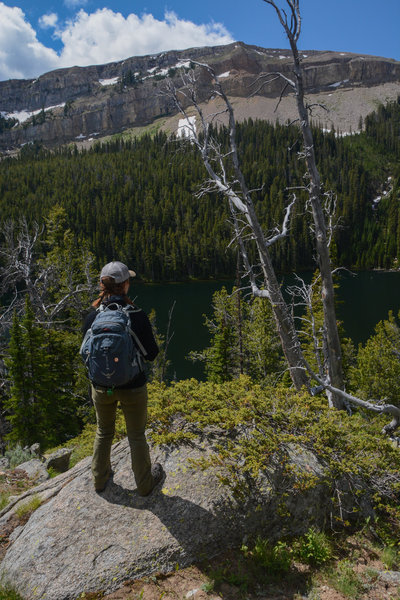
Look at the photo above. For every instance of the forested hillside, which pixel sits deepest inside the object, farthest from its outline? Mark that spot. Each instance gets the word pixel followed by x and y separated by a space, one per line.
pixel 135 200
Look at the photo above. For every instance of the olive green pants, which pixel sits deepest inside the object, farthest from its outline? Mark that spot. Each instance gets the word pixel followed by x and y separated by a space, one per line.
pixel 134 406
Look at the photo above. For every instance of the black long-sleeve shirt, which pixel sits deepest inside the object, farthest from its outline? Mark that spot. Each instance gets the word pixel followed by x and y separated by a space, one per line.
pixel 141 325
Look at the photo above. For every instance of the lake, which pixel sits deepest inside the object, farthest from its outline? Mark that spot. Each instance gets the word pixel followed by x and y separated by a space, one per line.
pixel 363 299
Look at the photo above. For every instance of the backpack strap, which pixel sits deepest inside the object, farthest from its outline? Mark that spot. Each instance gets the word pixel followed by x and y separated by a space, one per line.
pixel 138 342
pixel 103 307
pixel 128 309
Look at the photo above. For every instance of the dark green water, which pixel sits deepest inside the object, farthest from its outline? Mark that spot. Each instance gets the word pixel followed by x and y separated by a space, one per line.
pixel 192 301
pixel 363 300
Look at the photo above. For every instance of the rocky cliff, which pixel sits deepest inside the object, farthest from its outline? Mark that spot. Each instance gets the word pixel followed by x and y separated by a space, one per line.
pixel 89 102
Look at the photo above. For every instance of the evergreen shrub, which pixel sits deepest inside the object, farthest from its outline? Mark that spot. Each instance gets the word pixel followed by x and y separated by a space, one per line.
pixel 352 449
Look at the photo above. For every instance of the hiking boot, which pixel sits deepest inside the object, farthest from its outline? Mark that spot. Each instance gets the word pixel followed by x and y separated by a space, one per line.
pixel 100 488
pixel 158 473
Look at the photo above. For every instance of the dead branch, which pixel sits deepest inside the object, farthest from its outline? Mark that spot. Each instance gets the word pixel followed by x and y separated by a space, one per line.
pixel 372 405
pixel 285 225
pixel 24 273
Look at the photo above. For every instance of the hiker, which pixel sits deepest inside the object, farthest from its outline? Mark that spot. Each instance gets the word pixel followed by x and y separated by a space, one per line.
pixel 132 395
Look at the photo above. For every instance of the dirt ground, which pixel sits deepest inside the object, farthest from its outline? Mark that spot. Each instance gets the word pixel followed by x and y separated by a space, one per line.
pixel 376 583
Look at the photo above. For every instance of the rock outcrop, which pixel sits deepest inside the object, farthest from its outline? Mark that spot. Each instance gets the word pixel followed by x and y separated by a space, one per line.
pixel 59 460
pixel 35 469
pixel 79 541
pixel 81 102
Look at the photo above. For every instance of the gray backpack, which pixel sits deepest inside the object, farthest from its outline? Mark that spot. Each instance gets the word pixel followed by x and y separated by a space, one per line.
pixel 111 351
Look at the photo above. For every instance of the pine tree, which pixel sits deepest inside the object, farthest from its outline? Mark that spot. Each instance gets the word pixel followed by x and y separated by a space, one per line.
pixel 244 340
pixel 42 370
pixel 377 373
pixel 29 376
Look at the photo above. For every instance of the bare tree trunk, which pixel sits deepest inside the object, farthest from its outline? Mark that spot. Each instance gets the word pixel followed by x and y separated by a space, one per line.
pixel 283 317
pixel 334 356
pixel 242 207
pixel 239 316
pixel 328 298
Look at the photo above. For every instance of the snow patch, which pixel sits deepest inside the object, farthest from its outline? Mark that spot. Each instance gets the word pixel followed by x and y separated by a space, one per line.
pixel 184 63
pixel 24 115
pixel 346 133
pixel 80 137
pixel 111 81
pixel 163 72
pixel 187 128
pixel 156 71
pixel 282 57
pixel 340 134
pixel 338 83
pixel 226 74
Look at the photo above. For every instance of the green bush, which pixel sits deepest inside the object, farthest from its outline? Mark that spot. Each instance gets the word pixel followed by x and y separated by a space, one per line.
pixel 391 558
pixel 314 548
pixel 17 455
pixel 4 497
pixel 352 449
pixel 274 559
pixel 28 507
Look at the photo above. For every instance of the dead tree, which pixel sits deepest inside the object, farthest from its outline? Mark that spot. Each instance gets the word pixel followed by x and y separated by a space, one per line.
pixel 22 272
pixel 247 228
pixel 245 222
pixel 292 26
pixel 304 293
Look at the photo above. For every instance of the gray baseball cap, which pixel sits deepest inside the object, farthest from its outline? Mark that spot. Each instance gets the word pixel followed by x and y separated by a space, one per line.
pixel 117 270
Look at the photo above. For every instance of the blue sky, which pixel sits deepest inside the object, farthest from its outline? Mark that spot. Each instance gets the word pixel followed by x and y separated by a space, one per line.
pixel 38 36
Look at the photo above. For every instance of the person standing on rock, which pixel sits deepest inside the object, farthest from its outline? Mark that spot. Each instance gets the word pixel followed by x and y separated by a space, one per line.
pixel 132 396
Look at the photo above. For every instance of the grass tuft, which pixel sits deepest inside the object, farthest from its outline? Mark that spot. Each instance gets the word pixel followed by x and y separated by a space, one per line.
pixel 28 507
pixel 9 593
pixel 345 580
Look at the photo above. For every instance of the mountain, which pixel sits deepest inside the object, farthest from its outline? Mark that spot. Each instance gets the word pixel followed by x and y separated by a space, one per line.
pixel 86 103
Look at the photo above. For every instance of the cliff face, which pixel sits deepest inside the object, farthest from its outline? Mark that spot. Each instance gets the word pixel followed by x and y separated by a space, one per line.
pixel 81 102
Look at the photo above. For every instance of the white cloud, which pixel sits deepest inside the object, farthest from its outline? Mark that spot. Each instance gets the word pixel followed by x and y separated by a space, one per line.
pixel 95 38
pixel 105 36
pixel 21 54
pixel 49 20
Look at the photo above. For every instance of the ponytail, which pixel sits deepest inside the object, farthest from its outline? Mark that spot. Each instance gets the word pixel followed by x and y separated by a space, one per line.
pixel 108 288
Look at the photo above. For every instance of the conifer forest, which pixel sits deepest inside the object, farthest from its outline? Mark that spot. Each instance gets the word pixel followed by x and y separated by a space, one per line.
pixel 136 199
